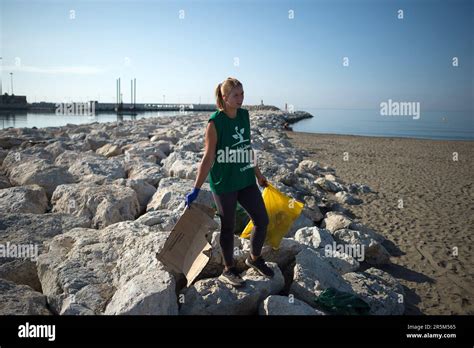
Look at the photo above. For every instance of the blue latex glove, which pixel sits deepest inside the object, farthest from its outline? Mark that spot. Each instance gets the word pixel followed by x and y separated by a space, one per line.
pixel 190 197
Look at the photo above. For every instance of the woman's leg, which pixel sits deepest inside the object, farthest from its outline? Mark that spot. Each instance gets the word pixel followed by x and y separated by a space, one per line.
pixel 250 198
pixel 226 204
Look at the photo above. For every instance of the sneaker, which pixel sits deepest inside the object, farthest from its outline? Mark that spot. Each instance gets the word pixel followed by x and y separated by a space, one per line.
pixel 232 277
pixel 260 266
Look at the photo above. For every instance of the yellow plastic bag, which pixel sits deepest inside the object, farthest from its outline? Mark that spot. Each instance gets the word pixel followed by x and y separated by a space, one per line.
pixel 282 212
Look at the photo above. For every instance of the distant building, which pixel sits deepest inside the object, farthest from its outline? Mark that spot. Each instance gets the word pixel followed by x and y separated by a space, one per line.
pixel 8 102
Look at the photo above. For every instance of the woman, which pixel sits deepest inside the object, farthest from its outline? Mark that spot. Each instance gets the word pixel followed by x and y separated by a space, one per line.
pixel 232 178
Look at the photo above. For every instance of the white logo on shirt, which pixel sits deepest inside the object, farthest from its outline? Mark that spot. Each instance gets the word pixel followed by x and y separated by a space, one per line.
pixel 239 135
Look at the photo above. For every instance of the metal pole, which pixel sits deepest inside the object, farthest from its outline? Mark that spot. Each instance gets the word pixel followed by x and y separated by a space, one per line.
pixel 11 80
pixel 131 93
pixel 134 91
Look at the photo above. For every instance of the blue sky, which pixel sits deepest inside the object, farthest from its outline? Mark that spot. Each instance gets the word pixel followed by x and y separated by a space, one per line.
pixel 298 61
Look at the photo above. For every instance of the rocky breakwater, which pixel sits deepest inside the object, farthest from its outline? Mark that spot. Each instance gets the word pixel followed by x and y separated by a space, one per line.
pixel 85 209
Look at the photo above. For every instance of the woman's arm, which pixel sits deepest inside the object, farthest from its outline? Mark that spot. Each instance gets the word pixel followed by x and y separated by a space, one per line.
pixel 258 173
pixel 209 154
pixel 262 181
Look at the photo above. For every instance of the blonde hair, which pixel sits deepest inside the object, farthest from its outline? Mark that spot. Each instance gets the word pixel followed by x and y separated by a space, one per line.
pixel 224 88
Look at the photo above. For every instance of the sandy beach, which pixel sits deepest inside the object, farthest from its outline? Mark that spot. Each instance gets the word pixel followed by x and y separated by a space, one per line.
pixel 433 222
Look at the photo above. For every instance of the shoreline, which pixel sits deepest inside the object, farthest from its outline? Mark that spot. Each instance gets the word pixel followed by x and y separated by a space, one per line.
pixel 379 136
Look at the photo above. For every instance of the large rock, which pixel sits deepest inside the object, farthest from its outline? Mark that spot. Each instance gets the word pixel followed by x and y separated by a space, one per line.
pixel 41 173
pixel 26 234
pixel 284 256
pixel 160 220
pixel 141 187
pixel 69 157
pixel 314 237
pixel 34 229
pixel 335 221
pixel 21 271
pixel 311 209
pixel 379 289
pixel 212 296
pixel 3 154
pixel 167 134
pixel 312 274
pixel 329 185
pixel 102 204
pixel 357 226
pixel 285 176
pixel 143 149
pixel 309 167
pixel 342 262
pixel 56 148
pixel 94 142
pixel 321 240
pixel 182 164
pixel 171 194
pixel 139 169
pixel 189 145
pixel 109 150
pixel 344 197
pixel 373 251
pixel 97 169
pixel 165 146
pixel 359 188
pixel 4 182
pixel 283 305
pixel 10 142
pixel 271 162
pixel 110 271
pixel 21 300
pixel 23 199
pixel 19 157
pixel 301 222
pixel 145 294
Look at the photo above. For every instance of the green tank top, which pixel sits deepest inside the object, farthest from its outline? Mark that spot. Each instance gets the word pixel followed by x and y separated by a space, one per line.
pixel 233 165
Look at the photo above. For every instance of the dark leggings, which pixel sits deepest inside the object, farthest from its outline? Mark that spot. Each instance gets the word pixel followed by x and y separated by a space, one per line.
pixel 251 200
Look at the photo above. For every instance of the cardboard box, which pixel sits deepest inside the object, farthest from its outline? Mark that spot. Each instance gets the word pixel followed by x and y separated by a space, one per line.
pixel 186 250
